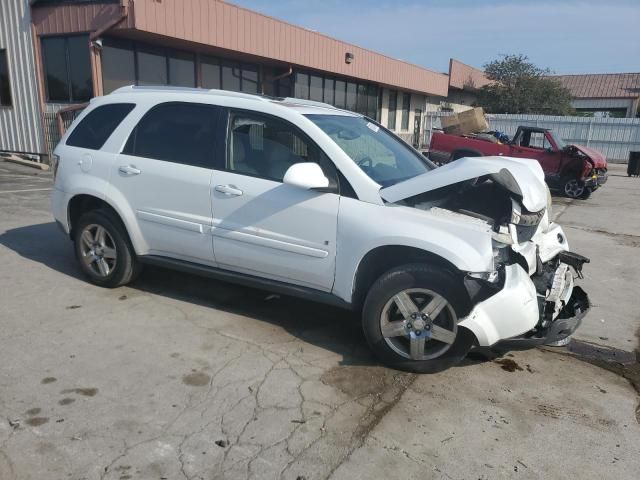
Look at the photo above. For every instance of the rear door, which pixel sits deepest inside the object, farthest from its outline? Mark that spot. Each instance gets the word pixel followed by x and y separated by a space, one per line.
pixel 164 172
pixel 262 226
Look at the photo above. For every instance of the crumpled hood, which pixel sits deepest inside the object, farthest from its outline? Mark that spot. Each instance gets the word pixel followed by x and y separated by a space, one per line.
pixel 522 177
pixel 598 159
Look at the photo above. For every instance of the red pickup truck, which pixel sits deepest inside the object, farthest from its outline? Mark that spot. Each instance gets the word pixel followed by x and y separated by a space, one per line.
pixel 574 170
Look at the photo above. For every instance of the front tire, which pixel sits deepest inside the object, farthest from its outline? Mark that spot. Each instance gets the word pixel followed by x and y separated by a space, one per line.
pixel 103 249
pixel 410 319
pixel 573 188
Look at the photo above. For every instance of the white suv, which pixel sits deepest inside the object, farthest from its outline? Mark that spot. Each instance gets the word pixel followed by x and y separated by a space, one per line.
pixel 305 199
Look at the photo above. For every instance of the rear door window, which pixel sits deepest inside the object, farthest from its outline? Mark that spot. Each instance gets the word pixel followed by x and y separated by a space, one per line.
pixel 176 132
pixel 93 130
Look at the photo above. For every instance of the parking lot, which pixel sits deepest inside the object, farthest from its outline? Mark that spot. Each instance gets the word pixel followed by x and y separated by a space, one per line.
pixel 182 377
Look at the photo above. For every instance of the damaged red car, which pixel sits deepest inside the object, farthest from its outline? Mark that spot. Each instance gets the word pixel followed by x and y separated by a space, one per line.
pixel 574 170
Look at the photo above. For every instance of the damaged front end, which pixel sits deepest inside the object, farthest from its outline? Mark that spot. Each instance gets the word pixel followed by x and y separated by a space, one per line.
pixel 529 296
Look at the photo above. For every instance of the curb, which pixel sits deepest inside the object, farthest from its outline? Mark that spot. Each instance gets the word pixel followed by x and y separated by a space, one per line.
pixel 26 163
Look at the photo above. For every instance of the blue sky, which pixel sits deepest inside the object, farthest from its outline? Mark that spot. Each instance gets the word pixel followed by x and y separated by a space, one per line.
pixel 568 36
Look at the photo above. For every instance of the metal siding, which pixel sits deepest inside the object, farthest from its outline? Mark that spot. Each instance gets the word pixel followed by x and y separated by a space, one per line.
pixel 249 32
pixel 20 125
pixel 71 18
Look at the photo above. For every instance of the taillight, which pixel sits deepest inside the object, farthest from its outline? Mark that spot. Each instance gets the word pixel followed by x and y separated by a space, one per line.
pixel 55 163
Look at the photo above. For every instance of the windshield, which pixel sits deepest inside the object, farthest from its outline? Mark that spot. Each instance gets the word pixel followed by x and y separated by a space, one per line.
pixel 381 155
pixel 560 143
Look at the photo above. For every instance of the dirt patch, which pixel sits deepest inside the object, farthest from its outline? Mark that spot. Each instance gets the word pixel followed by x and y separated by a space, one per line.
pixel 196 379
pixel 385 385
pixel 358 381
pixel 508 365
pixel 66 401
pixel 33 411
pixel 46 380
pixel 87 392
pixel 37 421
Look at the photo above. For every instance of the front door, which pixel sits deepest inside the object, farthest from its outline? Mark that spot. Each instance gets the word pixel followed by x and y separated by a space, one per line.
pixel 262 226
pixel 165 172
pixel 534 144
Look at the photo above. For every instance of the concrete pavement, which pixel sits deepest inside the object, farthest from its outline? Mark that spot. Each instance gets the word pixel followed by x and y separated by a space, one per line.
pixel 181 377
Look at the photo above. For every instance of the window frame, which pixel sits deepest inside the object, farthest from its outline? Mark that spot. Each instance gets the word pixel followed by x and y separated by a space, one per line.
pixel 215 150
pixel 229 112
pixel 4 58
pixel 65 37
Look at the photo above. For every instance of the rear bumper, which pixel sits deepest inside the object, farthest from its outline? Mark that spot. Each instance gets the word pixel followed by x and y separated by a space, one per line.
pixel 58 202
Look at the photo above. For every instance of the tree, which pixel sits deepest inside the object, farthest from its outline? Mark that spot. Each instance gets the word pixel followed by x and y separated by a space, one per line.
pixel 519 86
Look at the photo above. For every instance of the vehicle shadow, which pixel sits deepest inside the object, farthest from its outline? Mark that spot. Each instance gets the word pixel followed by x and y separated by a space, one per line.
pixel 323 326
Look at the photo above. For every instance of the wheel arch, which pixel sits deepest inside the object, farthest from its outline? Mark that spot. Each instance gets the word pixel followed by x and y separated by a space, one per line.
pixel 85 202
pixel 383 258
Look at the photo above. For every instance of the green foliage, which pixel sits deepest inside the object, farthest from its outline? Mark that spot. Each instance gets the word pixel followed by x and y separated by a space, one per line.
pixel 519 86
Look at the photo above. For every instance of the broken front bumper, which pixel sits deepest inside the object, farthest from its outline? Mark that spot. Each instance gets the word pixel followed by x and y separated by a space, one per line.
pixel 517 312
pixel 597 178
pixel 564 325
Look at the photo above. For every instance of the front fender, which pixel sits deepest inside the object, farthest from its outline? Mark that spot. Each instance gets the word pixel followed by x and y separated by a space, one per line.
pixel 363 227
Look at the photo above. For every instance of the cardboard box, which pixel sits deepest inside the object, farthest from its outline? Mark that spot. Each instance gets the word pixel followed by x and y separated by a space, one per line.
pixel 473 120
pixel 469 121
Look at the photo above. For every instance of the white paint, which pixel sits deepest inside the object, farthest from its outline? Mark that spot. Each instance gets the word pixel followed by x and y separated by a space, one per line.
pixel 295 234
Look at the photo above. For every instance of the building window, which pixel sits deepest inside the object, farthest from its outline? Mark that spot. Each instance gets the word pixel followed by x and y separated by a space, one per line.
pixel 127 63
pixel 393 106
pixel 226 75
pixel 152 67
pixel 315 88
pixel 182 69
pixel 341 94
pixel 329 91
pixel 67 68
pixel 118 65
pixel 406 101
pixel 357 97
pixel 352 96
pixel 302 86
pixel 5 87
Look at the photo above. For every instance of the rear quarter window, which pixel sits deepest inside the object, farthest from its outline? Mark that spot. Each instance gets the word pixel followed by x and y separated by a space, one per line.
pixel 93 130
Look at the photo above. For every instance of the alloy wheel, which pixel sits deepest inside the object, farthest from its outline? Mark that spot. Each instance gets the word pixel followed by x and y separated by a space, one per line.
pixel 573 189
pixel 419 324
pixel 98 250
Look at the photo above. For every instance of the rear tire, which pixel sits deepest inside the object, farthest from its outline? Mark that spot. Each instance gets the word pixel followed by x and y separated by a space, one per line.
pixel 103 249
pixel 395 327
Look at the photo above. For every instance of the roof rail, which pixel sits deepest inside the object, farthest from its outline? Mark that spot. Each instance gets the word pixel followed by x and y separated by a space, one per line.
pixel 192 90
pixel 311 103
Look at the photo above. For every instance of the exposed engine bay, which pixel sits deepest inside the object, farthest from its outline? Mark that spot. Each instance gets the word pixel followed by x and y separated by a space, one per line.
pixel 520 237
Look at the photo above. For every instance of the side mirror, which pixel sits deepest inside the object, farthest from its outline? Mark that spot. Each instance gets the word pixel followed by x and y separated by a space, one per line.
pixel 305 175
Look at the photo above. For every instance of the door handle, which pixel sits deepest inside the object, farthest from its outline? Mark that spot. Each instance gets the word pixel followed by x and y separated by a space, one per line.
pixel 129 170
pixel 229 190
